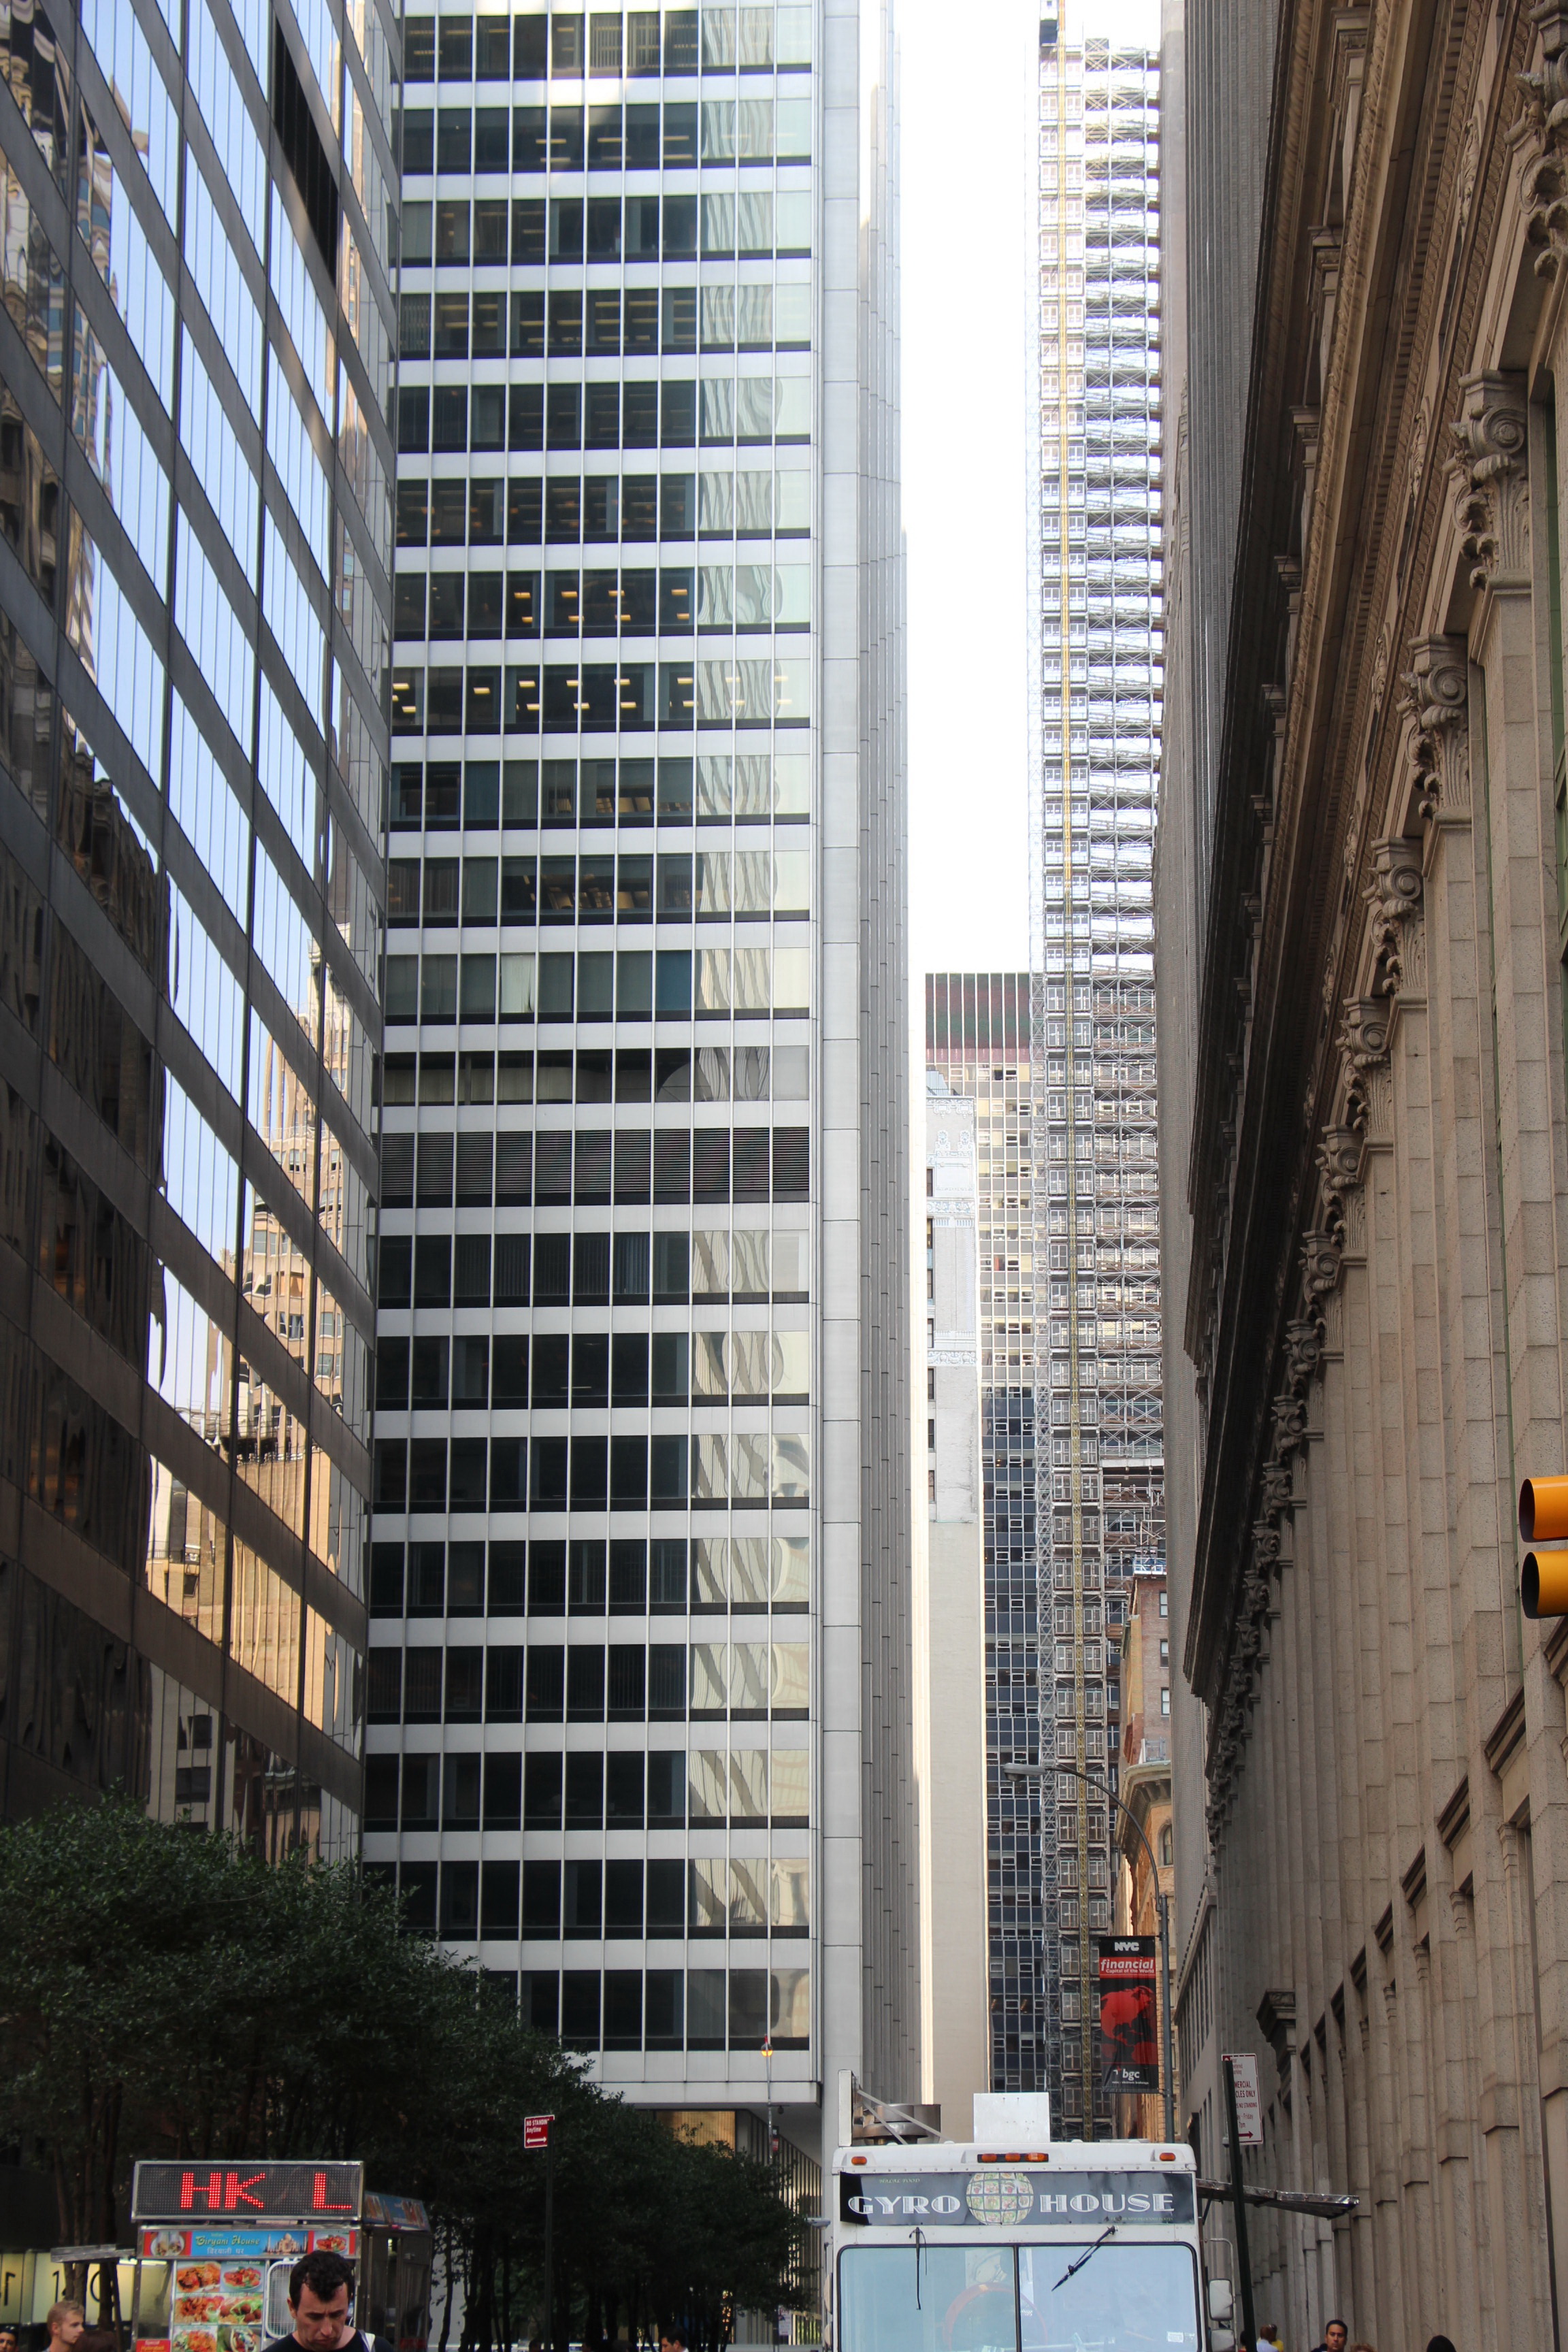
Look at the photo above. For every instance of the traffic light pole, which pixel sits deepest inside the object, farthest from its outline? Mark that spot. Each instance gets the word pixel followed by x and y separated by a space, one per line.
pixel 1238 2202
pixel 1161 1901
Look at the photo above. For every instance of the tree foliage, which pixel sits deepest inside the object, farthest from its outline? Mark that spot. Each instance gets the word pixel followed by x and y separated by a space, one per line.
pixel 166 1993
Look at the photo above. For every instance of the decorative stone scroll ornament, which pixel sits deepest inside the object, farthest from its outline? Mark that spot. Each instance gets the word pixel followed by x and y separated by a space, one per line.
pixel 1363 1041
pixel 1321 1255
pixel 1275 1490
pixel 1544 185
pixel 1493 504
pixel 1289 1418
pixel 1339 1160
pixel 1303 1349
pixel 1394 894
pixel 1437 688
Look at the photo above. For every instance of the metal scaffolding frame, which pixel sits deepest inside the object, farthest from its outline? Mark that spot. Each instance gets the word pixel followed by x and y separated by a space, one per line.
pixel 1094 624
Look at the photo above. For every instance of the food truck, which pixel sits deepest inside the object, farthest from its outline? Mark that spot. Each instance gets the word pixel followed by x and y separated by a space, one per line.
pixel 216 2244
pixel 972 2247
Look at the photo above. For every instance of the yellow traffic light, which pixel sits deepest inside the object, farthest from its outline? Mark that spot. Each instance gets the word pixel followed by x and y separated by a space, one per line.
pixel 1543 1584
pixel 1543 1510
pixel 1543 1520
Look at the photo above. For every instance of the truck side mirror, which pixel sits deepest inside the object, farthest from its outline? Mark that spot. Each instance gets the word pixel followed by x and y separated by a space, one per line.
pixel 1219 2298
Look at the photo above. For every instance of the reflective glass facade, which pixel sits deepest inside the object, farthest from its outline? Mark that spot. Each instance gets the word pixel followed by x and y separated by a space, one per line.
pixel 605 1479
pixel 1096 642
pixel 196 361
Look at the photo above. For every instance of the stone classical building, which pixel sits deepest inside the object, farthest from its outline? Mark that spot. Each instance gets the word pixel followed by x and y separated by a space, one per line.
pixel 1362 887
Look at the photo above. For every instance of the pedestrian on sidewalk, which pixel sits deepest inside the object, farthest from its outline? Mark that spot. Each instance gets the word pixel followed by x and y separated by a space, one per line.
pixel 1336 2336
pixel 321 2289
pixel 64 2322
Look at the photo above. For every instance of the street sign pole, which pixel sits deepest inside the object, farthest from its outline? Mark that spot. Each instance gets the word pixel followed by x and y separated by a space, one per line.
pixel 539 2132
pixel 1164 1901
pixel 550 2231
pixel 1238 2201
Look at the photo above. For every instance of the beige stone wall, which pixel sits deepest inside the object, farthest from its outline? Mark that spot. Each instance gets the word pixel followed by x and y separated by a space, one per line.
pixel 1371 1202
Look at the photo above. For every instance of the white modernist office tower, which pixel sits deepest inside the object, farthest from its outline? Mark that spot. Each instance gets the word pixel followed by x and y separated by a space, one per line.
pixel 639 1682
pixel 1096 638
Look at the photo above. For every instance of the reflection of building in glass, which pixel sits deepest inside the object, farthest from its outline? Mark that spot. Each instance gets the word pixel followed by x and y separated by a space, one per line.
pixel 639 1687
pixel 191 728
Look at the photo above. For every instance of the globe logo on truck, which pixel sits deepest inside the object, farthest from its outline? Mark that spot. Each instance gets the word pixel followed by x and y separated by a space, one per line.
pixel 1001 2200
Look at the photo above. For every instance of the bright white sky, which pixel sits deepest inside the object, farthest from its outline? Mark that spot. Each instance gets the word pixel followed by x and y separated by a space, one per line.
pixel 966 246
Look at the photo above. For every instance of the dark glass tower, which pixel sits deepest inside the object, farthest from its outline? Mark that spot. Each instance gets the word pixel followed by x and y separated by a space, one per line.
pixel 195 361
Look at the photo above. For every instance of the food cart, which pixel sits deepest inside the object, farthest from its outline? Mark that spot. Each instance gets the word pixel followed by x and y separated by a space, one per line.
pixel 216 2244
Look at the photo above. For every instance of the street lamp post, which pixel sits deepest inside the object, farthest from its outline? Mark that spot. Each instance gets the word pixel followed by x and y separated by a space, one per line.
pixel 1039 1773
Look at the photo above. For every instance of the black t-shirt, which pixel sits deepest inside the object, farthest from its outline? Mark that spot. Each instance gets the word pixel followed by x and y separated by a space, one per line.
pixel 356 2341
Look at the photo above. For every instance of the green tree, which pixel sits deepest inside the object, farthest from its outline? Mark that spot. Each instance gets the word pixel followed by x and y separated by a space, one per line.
pixel 168 1994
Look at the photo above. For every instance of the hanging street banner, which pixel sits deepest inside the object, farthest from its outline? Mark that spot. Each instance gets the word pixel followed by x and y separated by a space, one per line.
pixel 1129 2012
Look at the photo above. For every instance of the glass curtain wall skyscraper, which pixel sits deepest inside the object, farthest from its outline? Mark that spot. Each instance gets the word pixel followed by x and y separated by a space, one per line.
pixel 195 554
pixel 1095 618
pixel 641 1454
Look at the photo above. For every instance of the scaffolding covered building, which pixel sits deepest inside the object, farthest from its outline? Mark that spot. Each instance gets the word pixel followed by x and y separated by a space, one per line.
pixel 1095 647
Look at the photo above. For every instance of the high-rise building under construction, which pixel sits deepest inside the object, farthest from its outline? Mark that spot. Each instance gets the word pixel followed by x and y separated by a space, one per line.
pixel 1095 636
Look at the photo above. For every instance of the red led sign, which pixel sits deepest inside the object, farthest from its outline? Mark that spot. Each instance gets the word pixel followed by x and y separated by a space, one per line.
pixel 248 2193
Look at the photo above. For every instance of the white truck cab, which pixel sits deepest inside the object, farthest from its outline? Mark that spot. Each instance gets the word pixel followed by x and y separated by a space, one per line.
pixel 1037 2245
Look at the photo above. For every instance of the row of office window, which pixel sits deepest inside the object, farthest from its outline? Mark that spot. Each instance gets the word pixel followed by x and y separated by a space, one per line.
pixel 606 322
pixel 531 232
pixel 638 138
pixel 487 796
pixel 558 1370
pixel 625 1897
pixel 567 510
pixel 728 599
pixel 554 1269
pixel 679 1074
pixel 627 1577
pixel 589 1682
pixel 601 698
pixel 650 414
pixel 743 1468
pixel 623 2009
pixel 585 1790
pixel 592 1167
pixel 630 885
pixel 566 45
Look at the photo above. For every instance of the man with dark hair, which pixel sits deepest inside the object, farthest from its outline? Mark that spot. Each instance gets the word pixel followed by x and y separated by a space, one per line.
pixel 321 2289
pixel 1336 2336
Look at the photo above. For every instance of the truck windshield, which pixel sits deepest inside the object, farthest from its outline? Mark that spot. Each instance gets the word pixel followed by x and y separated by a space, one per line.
pixel 1007 2299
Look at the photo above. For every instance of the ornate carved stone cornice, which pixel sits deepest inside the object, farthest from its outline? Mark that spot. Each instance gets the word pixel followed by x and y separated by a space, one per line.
pixel 1493 503
pixel 1435 695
